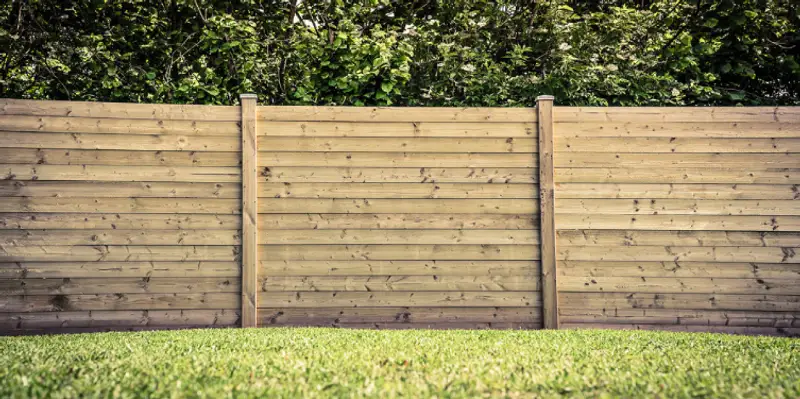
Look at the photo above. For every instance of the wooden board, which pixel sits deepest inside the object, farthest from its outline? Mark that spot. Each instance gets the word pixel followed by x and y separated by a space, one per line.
pixel 639 269
pixel 121 173
pixel 457 207
pixel 678 145
pixel 613 238
pixel 684 317
pixel 395 190
pixel 84 286
pixel 624 301
pixel 399 283
pixel 457 299
pixel 174 253
pixel 399 175
pixel 98 190
pixel 678 191
pixel 673 285
pixel 119 269
pixel 249 142
pixel 136 142
pixel 117 319
pixel 648 206
pixel 772 331
pixel 396 252
pixel 681 254
pixel 121 205
pixel 117 157
pixel 391 144
pixel 394 114
pixel 118 110
pixel 399 267
pixel 53 303
pixel 396 221
pixel 395 160
pixel 104 221
pixel 679 222
pixel 385 236
pixel 348 315
pixel 396 129
pixel 670 160
pixel 24 238
pixel 661 175
pixel 677 114
pixel 733 130
pixel 67 124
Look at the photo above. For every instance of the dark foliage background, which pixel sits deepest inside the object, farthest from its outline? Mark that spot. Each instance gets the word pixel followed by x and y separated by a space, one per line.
pixel 403 52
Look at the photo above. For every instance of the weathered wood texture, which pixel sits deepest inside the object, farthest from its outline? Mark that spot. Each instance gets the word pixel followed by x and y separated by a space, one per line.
pixel 679 219
pixel 119 216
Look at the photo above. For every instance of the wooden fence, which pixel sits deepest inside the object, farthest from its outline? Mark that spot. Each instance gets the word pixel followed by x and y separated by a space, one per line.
pixel 126 216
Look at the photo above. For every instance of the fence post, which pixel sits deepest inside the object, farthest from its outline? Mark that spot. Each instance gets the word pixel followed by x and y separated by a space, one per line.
pixel 249 211
pixel 547 224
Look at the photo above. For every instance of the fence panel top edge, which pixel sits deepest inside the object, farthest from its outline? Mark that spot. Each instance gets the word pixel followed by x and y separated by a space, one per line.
pixel 219 113
pixel 395 114
pixel 677 114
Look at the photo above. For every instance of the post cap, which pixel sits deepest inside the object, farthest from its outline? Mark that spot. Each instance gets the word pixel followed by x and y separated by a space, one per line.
pixel 248 95
pixel 545 98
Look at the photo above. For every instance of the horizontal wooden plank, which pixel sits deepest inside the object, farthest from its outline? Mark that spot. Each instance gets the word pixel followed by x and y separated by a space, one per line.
pixel 71 124
pixel 636 269
pixel 396 221
pixel 119 253
pixel 118 318
pixel 101 190
pixel 398 267
pixel 396 190
pixel 676 285
pixel 679 222
pixel 395 159
pixel 398 206
pixel 399 175
pixel 678 191
pixel 684 317
pixel 677 114
pixel 51 303
pixel 121 173
pixel 119 269
pixel 346 315
pixel 649 206
pixel 395 114
pixel 680 254
pixel 677 176
pixel 399 283
pixel 737 330
pixel 384 144
pixel 677 145
pixel 612 238
pixel 118 157
pixel 84 286
pixel 120 237
pixel 396 252
pixel 396 129
pixel 135 142
pixel 398 299
pixel 679 129
pixel 119 110
pixel 623 301
pixel 384 236
pixel 93 221
pixel 704 161
pixel 121 205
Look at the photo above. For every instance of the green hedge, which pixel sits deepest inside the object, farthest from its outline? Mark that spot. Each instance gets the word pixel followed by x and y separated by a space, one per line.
pixel 411 52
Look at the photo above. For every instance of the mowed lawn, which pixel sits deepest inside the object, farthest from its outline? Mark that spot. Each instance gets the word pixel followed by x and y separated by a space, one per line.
pixel 354 363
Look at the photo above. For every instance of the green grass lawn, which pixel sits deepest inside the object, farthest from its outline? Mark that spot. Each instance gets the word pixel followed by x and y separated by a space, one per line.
pixel 354 363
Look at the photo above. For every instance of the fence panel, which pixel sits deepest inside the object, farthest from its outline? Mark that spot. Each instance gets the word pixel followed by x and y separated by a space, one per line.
pixel 682 219
pixel 399 218
pixel 118 216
